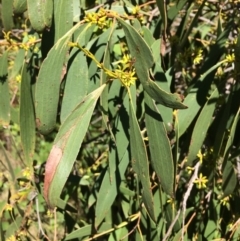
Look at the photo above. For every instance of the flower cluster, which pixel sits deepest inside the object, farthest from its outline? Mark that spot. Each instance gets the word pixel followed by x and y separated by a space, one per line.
pixel 201 181
pixel 98 18
pixel 124 71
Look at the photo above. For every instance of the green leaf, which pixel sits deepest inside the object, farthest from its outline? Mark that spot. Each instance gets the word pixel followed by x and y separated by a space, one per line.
pixel 18 63
pixel 109 189
pixel 76 83
pixel 27 117
pixel 7 14
pixel 103 79
pixel 4 91
pixel 229 176
pixel 114 174
pixel 140 161
pixel 160 150
pixel 13 227
pixel 87 231
pixel 162 82
pixel 143 58
pixel 40 13
pixel 229 179
pixel 148 37
pixel 175 9
pixel 98 47
pixel 48 83
pixel 163 13
pixel 19 6
pixel 198 90
pixel 201 126
pixel 66 147
pixel 63 18
pixel 193 24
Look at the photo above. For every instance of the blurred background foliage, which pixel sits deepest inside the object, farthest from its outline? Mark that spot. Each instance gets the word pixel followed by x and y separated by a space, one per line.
pixel 119 120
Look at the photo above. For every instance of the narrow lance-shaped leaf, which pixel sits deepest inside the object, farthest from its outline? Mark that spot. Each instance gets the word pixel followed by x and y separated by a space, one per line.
pixel 7 14
pixel 161 154
pixel 109 190
pixel 143 58
pixel 163 12
pixel 48 83
pixel 87 231
pixel 198 92
pixel 76 83
pixel 66 147
pixel 229 176
pixel 18 63
pixel 104 78
pixel 40 13
pixel 27 117
pixel 140 161
pixel 63 17
pixel 111 181
pixel 201 126
pixel 19 6
pixel 4 91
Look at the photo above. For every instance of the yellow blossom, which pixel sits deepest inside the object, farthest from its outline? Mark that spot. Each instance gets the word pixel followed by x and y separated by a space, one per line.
pixel 8 207
pixel 201 181
pixel 11 238
pixel 24 46
pixel 97 18
pixel 230 58
pixel 135 10
pixel 36 50
pixel 19 78
pixel 49 213
pixel 200 156
pixel 7 35
pixel 31 39
pixel 190 170
pixel 27 173
pixel 127 78
pixel 198 56
pixel 225 201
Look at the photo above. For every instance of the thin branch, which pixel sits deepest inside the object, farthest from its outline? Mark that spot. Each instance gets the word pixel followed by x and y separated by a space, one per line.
pixel 187 194
pixel 184 203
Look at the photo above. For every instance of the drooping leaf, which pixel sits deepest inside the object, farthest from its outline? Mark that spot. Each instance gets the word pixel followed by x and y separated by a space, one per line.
pixel 97 45
pixel 140 161
pixel 19 6
pixel 18 63
pixel 197 93
pixel 87 231
pixel 7 14
pixel 109 189
pixel 201 126
pixel 163 13
pixel 4 91
pixel 143 58
pixel 48 83
pixel 27 117
pixel 160 150
pixel 104 78
pixel 66 147
pixel 76 83
pixel 63 17
pixel 229 176
pixel 40 13
pixel 118 162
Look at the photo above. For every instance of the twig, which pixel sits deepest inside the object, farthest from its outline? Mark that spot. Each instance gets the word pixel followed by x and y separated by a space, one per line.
pixel 153 13
pixel 184 204
pixel 38 217
pixel 187 194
